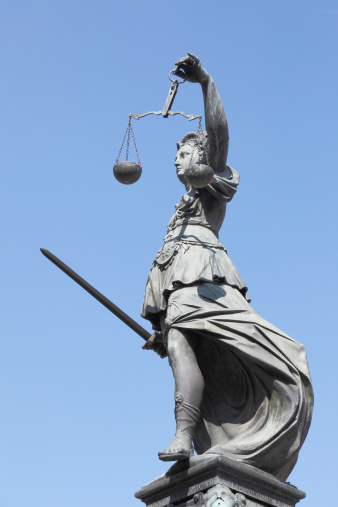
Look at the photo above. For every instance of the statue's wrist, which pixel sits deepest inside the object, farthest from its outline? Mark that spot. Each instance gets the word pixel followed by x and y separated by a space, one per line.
pixel 205 78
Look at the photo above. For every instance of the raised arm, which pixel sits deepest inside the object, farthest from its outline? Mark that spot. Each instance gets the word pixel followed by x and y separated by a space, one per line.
pixel 190 68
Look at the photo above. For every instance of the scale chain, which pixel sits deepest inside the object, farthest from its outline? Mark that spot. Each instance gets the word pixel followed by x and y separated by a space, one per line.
pixel 201 146
pixel 128 140
pixel 165 112
pixel 124 138
pixel 132 133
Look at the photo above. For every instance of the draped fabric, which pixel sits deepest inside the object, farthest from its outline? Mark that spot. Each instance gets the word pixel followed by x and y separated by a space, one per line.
pixel 182 263
pixel 257 401
pixel 192 252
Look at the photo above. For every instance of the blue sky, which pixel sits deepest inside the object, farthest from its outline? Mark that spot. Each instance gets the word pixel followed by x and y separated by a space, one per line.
pixel 84 410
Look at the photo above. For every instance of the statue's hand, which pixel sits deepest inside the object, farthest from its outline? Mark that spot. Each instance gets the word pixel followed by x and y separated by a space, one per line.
pixel 190 68
pixel 156 344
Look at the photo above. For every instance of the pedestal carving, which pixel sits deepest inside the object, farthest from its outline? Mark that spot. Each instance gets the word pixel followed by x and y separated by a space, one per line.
pixel 218 482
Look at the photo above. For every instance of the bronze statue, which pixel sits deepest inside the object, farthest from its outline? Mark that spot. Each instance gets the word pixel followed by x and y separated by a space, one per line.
pixel 242 387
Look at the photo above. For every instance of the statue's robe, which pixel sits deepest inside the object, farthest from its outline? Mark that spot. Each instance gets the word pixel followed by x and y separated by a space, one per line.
pixel 258 398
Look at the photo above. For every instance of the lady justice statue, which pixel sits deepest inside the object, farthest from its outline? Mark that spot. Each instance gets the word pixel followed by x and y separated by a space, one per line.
pixel 242 386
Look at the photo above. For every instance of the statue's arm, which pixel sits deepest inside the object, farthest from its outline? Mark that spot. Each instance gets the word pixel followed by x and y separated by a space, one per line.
pixel 190 68
pixel 216 125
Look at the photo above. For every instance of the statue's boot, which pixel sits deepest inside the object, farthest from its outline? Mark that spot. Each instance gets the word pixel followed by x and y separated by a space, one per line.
pixel 181 445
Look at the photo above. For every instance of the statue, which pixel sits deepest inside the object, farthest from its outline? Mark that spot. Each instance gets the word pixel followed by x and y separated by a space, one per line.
pixel 242 386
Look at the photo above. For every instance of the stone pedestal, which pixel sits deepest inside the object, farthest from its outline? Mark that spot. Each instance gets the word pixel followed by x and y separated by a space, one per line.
pixel 217 482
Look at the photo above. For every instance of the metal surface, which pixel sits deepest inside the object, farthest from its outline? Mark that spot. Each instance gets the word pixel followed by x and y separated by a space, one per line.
pixel 127 172
pixel 135 146
pixel 199 175
pixel 170 99
pixel 123 141
pixel 168 103
pixel 172 113
pixel 97 295
pixel 173 80
pixel 129 130
pixel 205 320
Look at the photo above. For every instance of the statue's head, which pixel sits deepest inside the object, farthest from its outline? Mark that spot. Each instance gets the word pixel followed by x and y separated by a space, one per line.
pixel 189 150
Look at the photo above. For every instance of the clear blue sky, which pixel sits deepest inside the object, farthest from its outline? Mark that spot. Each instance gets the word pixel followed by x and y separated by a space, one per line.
pixel 84 410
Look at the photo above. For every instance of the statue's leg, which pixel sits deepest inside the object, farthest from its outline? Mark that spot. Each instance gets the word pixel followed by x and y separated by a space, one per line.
pixel 188 377
pixel 189 385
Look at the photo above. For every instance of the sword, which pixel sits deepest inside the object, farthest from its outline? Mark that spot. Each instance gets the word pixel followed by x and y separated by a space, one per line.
pixel 97 295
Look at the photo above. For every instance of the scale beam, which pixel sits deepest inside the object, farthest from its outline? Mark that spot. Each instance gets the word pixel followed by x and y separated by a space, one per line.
pixel 172 113
pixel 168 103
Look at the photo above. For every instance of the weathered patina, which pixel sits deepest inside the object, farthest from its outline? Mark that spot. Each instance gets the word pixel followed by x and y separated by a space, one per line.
pixel 242 386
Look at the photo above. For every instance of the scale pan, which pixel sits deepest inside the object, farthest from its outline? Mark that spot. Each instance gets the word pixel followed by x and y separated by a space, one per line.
pixel 199 175
pixel 127 172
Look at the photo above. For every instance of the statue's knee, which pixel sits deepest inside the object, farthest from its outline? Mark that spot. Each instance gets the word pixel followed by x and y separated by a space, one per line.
pixel 175 346
pixel 173 352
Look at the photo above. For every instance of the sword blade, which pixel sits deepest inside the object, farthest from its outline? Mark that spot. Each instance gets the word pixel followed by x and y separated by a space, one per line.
pixel 97 295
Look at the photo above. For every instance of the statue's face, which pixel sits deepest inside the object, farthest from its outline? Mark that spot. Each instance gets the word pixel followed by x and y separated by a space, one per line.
pixel 182 160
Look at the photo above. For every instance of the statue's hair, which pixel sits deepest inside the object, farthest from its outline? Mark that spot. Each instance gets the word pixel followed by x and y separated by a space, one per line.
pixel 193 139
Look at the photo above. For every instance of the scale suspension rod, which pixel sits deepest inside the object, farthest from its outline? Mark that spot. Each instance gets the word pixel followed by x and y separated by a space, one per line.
pixel 97 295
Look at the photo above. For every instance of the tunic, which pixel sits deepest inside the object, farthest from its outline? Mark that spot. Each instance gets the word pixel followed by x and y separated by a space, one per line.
pixel 258 399
pixel 192 252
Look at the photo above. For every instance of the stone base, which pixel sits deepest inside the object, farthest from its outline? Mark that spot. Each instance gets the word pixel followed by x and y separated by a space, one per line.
pixel 217 481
